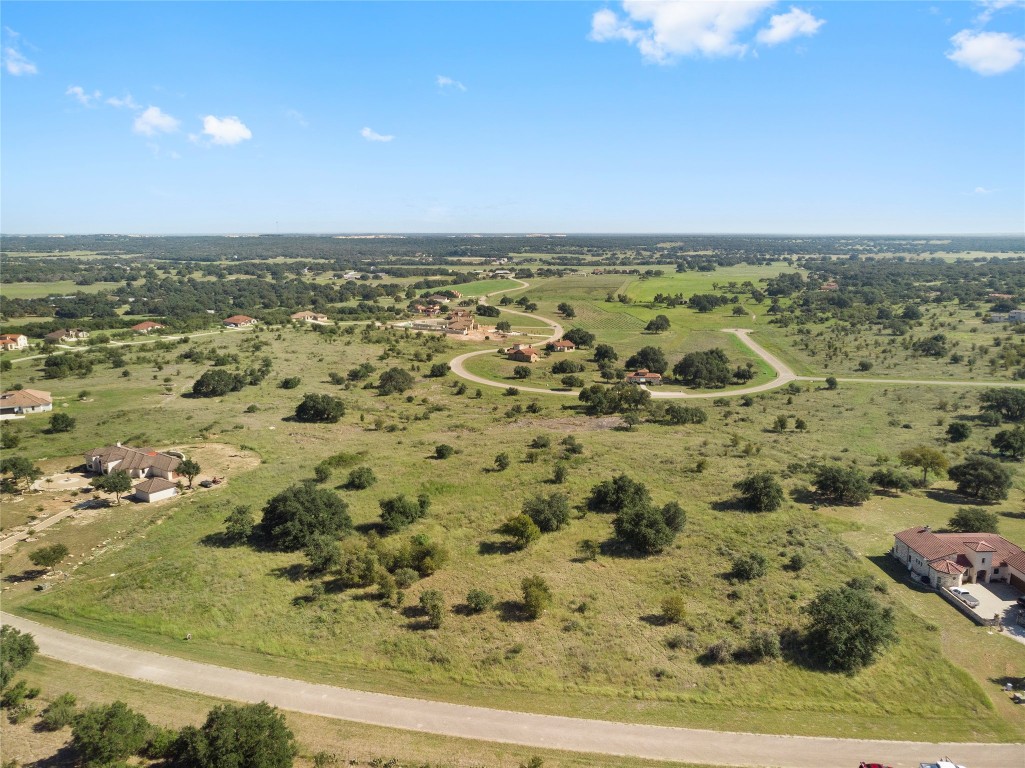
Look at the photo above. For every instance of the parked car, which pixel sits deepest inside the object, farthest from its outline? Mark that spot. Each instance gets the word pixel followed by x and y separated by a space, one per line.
pixel 965 597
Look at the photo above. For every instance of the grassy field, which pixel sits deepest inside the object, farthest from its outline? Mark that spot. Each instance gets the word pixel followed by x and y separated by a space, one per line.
pixel 483 287
pixel 599 651
pixel 351 744
pixel 10 290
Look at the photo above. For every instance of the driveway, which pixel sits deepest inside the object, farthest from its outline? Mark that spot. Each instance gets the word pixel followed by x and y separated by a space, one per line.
pixel 482 723
pixel 999 599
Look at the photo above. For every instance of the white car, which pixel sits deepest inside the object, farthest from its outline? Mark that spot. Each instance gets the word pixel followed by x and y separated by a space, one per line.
pixel 965 597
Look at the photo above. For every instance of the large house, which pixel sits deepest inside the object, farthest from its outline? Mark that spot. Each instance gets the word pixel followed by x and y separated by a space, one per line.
pixel 137 462
pixel 16 403
pixel 643 376
pixel 952 559
pixel 13 341
pixel 310 317
pixel 562 345
pixel 238 321
pixel 146 326
pixel 67 334
pixel 1014 316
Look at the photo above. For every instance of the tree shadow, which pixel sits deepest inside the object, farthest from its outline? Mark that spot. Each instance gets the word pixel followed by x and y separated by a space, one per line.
pixel 805 495
pixel 30 575
pixel 729 505
pixel 512 611
pixel 899 573
pixel 371 527
pixel 952 497
pixel 1013 515
pixel 65 757
pixel 1017 682
pixel 220 540
pixel 655 620
pixel 294 572
pixel 497 548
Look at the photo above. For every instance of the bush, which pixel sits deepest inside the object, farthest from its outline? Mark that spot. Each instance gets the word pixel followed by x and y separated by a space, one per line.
pixel 750 566
pixel 438 370
pixel 239 524
pixel 405 577
pixel 647 529
pixel 760 492
pixel 549 513
pixel 105 734
pixel 521 372
pixel 48 556
pixel 361 478
pixel 16 650
pixel 567 366
pixel 394 381
pixel 797 562
pixel 502 462
pixel 250 735
pixel 959 431
pixel 831 382
pixel 443 451
pixel 320 409
pixel 537 596
pixel 891 479
pixel 983 478
pixel 685 414
pixel 433 604
pixel 847 629
pixel 58 713
pixel 399 511
pixel 479 601
pixel 521 529
pixel 674 609
pixel 719 652
pixel 764 645
pixel 290 383
pixel 61 422
pixel 842 485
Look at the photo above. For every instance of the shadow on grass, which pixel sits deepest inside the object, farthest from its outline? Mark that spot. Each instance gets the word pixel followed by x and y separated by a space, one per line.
pixel 805 495
pixel 294 572
pixel 899 573
pixel 655 620
pixel 1013 515
pixel 512 611
pixel 220 540
pixel 371 527
pixel 30 575
pixel 64 757
pixel 497 548
pixel 951 497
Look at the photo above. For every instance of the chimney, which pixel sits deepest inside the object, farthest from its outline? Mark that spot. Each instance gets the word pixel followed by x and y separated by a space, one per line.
pixel 927 528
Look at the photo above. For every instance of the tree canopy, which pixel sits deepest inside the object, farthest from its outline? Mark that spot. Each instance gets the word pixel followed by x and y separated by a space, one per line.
pixel 319 409
pixel 238 736
pixel 974 520
pixel 394 381
pixel 982 477
pixel 760 492
pixel 847 628
pixel 651 358
pixel 844 485
pixel 16 650
pixel 297 514
pixel 707 368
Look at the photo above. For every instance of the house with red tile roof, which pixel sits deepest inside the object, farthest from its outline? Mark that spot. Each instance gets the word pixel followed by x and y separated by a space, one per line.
pixel 137 462
pixel 951 559
pixel 13 341
pixel 643 376
pixel 562 345
pixel 146 326
pixel 238 321
pixel 523 354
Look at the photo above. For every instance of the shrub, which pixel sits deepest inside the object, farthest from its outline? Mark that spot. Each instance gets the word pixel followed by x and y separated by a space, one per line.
pixel 521 529
pixel 549 513
pixel 405 577
pixel 251 735
pixel 319 409
pixel 760 492
pixel 982 477
pixel 974 520
pixel 647 529
pixel 394 381
pixel 16 650
pixel 59 713
pixel 48 556
pixel 537 596
pixel 959 431
pixel 750 566
pixel 439 370
pixel 105 734
pixel 433 604
pixel 891 479
pixel 301 512
pixel 443 451
pixel 502 462
pixel 399 511
pixel 843 485
pixel 290 383
pixel 674 609
pixel 479 601
pixel 720 652
pixel 61 422
pixel 239 524
pixel 764 644
pixel 361 478
pixel 847 628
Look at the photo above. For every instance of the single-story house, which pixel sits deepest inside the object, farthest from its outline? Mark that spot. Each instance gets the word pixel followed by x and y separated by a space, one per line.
pixel 643 376
pixel 562 345
pixel 13 341
pixel 523 354
pixel 16 403
pixel 998 296
pixel 67 334
pixel 952 559
pixel 502 272
pixel 238 321
pixel 830 285
pixel 1014 316
pixel 310 317
pixel 427 309
pixel 137 462
pixel 155 489
pixel 352 275
pixel 461 326
pixel 146 326
pixel 437 298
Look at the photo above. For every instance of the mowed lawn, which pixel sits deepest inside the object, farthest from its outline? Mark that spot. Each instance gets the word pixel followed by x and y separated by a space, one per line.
pixel 599 651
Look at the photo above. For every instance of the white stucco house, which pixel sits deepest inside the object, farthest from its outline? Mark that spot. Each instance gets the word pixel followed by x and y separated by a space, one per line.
pixel 952 559
pixel 155 489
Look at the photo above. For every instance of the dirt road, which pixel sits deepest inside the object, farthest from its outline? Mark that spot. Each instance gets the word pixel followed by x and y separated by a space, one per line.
pixel 551 732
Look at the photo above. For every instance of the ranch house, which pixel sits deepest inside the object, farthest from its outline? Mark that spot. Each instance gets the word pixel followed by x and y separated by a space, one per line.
pixel 952 559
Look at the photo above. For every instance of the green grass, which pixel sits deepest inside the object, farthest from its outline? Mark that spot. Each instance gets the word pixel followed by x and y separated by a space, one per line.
pixel 593 654
pixel 10 290
pixel 483 287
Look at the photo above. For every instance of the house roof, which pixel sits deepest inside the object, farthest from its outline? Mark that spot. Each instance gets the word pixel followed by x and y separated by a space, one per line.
pixel 564 343
pixel 955 546
pixel 643 373
pixel 146 325
pixel 307 315
pixel 238 319
pixel 525 351
pixel 11 336
pixel 134 458
pixel 25 398
pixel 155 485
pixel 946 566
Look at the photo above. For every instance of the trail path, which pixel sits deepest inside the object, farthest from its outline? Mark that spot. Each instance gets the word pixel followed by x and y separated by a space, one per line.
pixel 542 731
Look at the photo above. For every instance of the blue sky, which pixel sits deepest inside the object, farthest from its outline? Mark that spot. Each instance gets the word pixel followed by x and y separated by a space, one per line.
pixel 825 117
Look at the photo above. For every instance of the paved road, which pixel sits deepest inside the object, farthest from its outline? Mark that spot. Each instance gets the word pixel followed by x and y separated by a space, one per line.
pixel 542 731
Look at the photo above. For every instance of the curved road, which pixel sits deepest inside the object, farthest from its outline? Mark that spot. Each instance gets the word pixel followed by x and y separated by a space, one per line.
pixel 481 723
pixel 784 375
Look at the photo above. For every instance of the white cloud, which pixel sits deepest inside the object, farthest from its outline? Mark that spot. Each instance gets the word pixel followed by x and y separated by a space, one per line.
pixel 126 103
pixel 371 135
pixel 786 26
pixel 225 130
pixel 982 191
pixel 448 82
pixel 16 64
pixel 987 53
pixel 78 93
pixel 991 7
pixel 153 121
pixel 665 29
pixel 299 117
